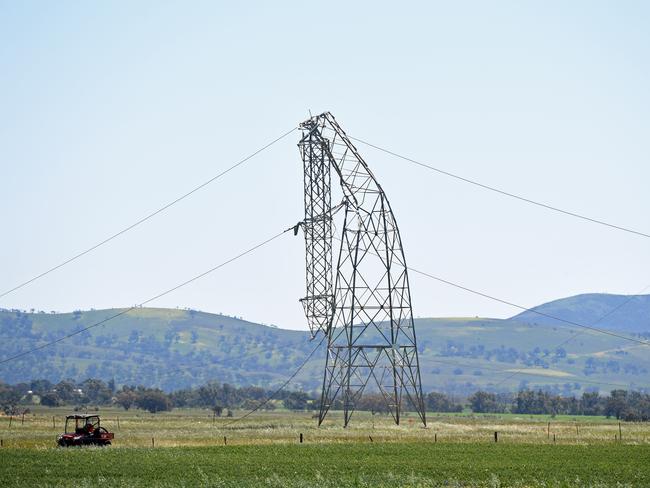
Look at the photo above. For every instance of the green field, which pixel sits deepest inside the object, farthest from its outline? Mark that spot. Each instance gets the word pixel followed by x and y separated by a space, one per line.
pixel 264 450
pixel 354 464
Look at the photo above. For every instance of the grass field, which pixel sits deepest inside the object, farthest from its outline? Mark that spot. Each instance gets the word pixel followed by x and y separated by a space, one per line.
pixel 264 450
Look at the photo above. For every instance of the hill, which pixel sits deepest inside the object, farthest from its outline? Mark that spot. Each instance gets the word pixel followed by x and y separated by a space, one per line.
pixel 173 348
pixel 614 312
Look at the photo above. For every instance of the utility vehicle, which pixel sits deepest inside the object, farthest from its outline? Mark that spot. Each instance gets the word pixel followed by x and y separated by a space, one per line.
pixel 84 430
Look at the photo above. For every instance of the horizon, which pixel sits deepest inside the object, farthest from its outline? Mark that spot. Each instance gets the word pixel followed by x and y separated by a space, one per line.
pixel 302 328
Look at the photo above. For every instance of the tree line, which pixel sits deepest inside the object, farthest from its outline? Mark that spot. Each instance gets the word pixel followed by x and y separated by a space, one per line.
pixel 222 398
pixel 621 404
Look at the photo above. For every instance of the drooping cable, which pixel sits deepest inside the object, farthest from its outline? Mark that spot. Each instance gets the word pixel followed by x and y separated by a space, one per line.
pixel 127 310
pixel 282 387
pixel 145 218
pixel 566 341
pixel 521 307
pixel 532 310
pixel 503 192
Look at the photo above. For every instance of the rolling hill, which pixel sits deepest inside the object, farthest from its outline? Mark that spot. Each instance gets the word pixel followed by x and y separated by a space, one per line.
pixel 613 312
pixel 173 348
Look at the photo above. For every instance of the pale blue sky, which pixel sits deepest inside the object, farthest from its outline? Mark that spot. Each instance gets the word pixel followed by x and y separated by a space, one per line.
pixel 110 109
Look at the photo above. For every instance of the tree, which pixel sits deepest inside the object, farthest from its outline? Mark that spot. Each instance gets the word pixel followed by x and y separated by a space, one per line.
pixel 66 391
pixel 96 391
pixel 134 337
pixel 9 397
pixel 39 387
pixel 153 401
pixel 50 399
pixel 616 403
pixel 373 403
pixel 483 402
pixel 590 403
pixel 438 402
pixel 210 394
pixel 125 398
pixel 296 400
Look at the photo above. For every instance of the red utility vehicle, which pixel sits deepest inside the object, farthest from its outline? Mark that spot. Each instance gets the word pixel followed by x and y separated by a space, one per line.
pixel 84 430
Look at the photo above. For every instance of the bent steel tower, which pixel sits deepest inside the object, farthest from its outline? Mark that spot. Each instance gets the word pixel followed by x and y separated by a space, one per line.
pixel 365 311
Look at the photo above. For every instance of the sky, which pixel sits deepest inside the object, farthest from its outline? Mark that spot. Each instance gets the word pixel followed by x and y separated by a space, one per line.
pixel 109 110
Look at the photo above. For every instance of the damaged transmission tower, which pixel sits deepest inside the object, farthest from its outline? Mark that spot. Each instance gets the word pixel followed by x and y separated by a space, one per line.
pixel 364 307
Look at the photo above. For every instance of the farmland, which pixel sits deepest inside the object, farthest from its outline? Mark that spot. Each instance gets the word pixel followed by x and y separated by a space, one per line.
pixel 186 447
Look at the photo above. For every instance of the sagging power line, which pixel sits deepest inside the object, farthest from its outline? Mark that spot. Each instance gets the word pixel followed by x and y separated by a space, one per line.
pixel 602 317
pixel 149 300
pixel 147 217
pixel 526 309
pixel 282 387
pixel 503 192
pixel 520 307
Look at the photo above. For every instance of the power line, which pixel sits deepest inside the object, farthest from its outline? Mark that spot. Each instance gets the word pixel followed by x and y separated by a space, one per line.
pixel 125 311
pixel 603 317
pixel 525 309
pixel 295 373
pixel 147 217
pixel 503 192
pixel 521 307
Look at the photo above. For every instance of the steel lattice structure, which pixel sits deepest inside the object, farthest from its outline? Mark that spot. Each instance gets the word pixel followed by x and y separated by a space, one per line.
pixel 366 312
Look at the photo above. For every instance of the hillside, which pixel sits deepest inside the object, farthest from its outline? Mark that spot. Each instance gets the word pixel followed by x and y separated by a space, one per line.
pixel 173 348
pixel 621 312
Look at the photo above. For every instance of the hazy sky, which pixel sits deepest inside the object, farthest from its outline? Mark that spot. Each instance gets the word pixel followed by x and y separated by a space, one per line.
pixel 110 109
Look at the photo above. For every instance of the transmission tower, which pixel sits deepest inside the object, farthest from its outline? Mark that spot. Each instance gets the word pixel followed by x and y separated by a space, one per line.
pixel 365 311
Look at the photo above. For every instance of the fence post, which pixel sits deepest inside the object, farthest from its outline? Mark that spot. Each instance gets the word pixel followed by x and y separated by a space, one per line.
pixel 548 430
pixel 53 422
pixel 370 437
pixel 153 443
pixel 118 423
pixel 620 432
pixel 11 418
pixel 301 437
pixel 435 437
pixel 22 420
pixel 496 436
pixel 553 438
pixel 225 441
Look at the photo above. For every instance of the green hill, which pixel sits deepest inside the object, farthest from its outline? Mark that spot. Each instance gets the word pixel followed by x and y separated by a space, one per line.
pixel 614 312
pixel 173 348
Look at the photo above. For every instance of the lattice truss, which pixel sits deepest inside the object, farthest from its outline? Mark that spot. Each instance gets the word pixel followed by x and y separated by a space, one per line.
pixel 367 314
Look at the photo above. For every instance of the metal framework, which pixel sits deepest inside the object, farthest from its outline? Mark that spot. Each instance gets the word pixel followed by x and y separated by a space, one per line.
pixel 366 314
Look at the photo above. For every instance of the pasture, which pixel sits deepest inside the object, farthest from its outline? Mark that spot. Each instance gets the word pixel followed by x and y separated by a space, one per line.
pixel 187 448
